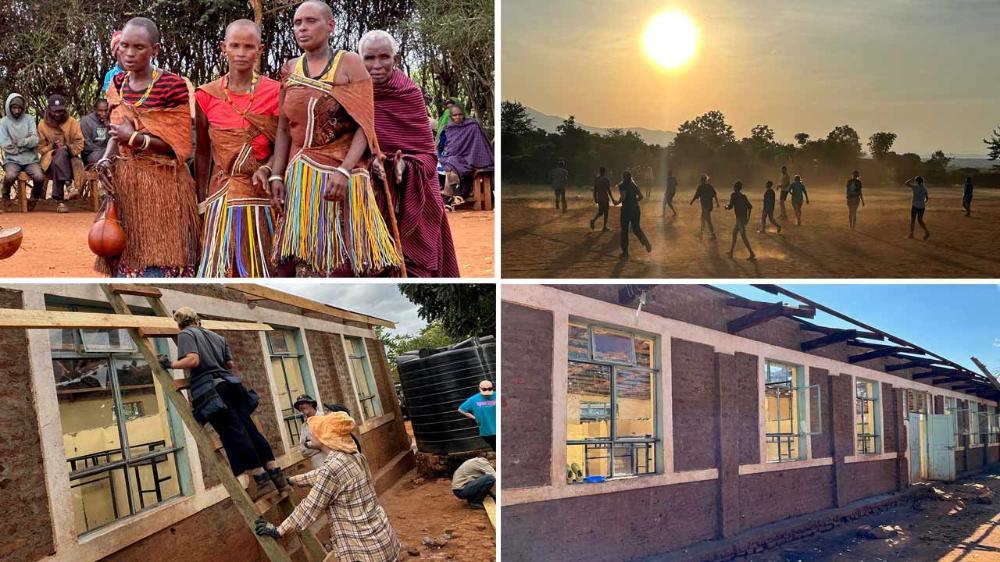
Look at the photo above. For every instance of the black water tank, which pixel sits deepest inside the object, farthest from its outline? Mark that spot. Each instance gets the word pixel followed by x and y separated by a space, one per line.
pixel 435 383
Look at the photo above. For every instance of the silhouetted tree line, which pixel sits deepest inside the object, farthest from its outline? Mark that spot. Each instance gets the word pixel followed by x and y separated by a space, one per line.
pixel 707 144
pixel 63 46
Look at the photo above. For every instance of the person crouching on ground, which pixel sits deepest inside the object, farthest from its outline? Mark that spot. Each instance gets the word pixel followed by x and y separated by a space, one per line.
pixel 473 481
pixel 344 490
pixel 218 397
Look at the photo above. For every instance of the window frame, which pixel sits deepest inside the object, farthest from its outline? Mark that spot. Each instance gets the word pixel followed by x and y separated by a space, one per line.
pixel 803 395
pixel 292 418
pixel 876 422
pixel 651 445
pixel 369 374
pixel 129 462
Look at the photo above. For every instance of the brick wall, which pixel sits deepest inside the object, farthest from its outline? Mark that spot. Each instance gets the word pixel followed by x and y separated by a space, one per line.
pixel 526 419
pixel 28 536
pixel 772 496
pixel 871 478
pixel 331 377
pixel 622 526
pixel 822 444
pixel 696 404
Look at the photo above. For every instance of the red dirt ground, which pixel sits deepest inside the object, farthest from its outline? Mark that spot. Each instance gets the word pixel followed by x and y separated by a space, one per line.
pixel 55 245
pixel 539 242
pixel 950 529
pixel 421 508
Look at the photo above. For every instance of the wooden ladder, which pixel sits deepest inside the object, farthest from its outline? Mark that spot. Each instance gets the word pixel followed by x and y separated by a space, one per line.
pixel 172 388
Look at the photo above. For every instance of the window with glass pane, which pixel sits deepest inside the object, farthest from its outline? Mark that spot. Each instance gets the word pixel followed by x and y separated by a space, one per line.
pixel 866 417
pixel 287 365
pixel 781 409
pixel 994 425
pixel 950 410
pixel 610 402
pixel 364 380
pixel 117 433
pixel 975 437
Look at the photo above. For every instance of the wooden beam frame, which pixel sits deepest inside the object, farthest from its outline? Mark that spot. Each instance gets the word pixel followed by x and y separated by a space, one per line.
pixel 267 293
pixel 829 339
pixel 758 316
pixel 879 351
pixel 153 325
pixel 935 372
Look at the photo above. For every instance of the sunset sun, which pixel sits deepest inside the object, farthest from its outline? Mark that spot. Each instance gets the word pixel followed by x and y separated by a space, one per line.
pixel 670 39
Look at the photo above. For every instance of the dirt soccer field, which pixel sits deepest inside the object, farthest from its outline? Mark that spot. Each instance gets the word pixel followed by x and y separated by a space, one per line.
pixel 55 245
pixel 539 242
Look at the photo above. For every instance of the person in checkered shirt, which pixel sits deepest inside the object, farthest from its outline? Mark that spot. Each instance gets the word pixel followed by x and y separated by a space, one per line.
pixel 343 488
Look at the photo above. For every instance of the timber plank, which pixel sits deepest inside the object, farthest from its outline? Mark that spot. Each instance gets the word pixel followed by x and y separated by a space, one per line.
pixel 158 326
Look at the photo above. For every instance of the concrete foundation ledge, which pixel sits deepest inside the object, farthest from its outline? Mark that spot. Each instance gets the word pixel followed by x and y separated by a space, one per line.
pixel 786 530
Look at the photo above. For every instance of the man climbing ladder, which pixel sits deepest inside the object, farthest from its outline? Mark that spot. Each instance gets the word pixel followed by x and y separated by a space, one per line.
pixel 219 398
pixel 248 509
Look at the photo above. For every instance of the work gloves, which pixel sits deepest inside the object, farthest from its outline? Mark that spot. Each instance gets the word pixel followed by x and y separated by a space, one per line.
pixel 265 529
pixel 165 362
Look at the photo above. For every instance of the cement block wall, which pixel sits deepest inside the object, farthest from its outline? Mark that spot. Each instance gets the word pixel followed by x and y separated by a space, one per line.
pixel 715 426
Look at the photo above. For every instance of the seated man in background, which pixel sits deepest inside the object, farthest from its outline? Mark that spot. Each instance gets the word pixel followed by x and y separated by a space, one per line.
pixel 95 132
pixel 60 143
pixel 473 481
pixel 464 149
pixel 19 141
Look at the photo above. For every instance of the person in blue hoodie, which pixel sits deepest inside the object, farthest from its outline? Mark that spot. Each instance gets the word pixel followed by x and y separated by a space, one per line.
pixel 19 141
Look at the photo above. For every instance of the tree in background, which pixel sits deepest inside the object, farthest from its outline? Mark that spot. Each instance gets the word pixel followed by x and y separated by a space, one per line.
pixel 63 46
pixel 801 138
pixel 879 144
pixel 993 146
pixel 463 310
pixel 430 336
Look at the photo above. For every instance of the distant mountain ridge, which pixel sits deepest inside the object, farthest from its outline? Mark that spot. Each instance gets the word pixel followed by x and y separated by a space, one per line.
pixel 550 122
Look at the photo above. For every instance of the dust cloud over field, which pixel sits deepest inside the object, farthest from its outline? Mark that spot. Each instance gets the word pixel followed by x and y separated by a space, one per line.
pixel 538 241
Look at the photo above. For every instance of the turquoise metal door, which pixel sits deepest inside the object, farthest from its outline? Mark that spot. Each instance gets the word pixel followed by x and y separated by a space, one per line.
pixel 915 441
pixel 941 442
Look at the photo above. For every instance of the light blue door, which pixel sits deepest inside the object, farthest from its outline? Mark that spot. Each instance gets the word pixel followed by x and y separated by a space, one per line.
pixel 941 442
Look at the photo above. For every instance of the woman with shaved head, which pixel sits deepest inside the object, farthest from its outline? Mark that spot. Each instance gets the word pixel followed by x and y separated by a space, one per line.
pixel 146 162
pixel 236 124
pixel 329 222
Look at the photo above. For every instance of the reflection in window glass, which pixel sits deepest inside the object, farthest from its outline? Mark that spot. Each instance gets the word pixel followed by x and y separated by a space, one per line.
pixel 612 347
pixel 781 409
pixel 866 414
pixel 364 381
pixel 116 432
pixel 579 342
pixel 610 402
pixel 97 341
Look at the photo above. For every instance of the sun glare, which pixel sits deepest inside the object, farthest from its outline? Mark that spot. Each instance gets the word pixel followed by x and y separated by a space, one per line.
pixel 670 39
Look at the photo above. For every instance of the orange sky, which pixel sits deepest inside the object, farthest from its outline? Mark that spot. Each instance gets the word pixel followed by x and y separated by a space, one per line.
pixel 923 69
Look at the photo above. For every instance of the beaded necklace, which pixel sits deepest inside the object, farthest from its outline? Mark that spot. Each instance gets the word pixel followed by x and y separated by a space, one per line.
pixel 229 100
pixel 149 89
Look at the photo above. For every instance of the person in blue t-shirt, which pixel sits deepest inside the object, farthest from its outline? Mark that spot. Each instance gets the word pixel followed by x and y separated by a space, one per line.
pixel 482 407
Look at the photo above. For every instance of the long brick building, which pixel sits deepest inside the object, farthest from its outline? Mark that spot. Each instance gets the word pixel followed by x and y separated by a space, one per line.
pixel 95 464
pixel 642 420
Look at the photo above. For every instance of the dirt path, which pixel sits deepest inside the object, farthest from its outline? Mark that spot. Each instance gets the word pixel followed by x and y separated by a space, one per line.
pixel 55 245
pixel 421 508
pixel 943 527
pixel 538 241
